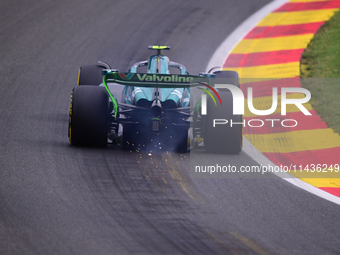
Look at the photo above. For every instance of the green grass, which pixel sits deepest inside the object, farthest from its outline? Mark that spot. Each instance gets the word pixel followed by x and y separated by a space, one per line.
pixel 321 59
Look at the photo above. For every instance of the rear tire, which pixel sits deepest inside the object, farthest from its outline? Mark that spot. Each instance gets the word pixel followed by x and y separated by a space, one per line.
pixel 89 111
pixel 181 144
pixel 90 75
pixel 230 77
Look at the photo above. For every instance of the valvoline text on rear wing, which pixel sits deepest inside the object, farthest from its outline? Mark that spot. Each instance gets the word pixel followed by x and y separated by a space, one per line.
pixel 156 80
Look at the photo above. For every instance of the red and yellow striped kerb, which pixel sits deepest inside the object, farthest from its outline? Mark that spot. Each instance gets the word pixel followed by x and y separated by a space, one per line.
pixel 269 55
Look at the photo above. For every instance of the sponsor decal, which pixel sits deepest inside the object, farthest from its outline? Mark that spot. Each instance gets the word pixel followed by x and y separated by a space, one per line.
pixel 156 77
pixel 126 76
pixel 164 78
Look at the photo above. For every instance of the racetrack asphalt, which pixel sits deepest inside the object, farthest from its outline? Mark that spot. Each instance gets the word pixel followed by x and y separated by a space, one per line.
pixel 59 199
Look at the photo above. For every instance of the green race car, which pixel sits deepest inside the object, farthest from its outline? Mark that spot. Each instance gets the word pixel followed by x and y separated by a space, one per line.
pixel 153 109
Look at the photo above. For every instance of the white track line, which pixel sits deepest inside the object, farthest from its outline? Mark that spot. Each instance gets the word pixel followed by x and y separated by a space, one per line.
pixel 218 59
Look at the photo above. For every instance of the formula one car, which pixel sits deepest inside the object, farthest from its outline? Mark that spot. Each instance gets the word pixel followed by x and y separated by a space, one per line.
pixel 153 108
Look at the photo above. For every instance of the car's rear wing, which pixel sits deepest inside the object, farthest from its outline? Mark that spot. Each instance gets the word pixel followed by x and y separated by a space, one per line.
pixel 156 80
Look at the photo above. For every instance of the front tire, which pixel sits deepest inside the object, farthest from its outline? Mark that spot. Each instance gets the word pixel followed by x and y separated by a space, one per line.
pixel 89 111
